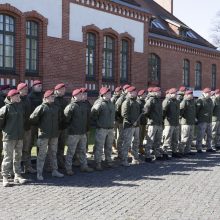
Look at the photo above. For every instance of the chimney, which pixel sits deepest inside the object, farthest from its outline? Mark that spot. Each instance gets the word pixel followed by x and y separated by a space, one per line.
pixel 166 4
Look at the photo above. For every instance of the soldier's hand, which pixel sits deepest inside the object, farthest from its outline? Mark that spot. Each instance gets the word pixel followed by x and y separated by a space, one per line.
pixel 135 124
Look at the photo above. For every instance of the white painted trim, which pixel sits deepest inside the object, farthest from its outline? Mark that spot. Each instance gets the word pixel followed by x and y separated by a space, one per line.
pixel 82 16
pixel 50 9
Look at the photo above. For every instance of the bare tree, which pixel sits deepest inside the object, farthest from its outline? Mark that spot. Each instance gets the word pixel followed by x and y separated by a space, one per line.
pixel 215 31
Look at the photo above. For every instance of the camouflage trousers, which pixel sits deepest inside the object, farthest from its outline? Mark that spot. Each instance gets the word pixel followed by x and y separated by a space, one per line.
pixel 215 133
pixel 131 141
pixel 171 138
pixel 204 128
pixel 143 132
pixel 47 146
pixel 153 141
pixel 76 142
pixel 118 135
pixel 26 151
pixel 12 151
pixel 61 146
pixel 1 147
pixel 103 139
pixel 187 135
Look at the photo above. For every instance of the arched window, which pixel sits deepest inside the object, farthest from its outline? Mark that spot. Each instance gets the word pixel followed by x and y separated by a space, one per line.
pixel 32 47
pixel 186 72
pixel 108 57
pixel 7 42
pixel 90 55
pixel 154 68
pixel 214 69
pixel 198 76
pixel 124 60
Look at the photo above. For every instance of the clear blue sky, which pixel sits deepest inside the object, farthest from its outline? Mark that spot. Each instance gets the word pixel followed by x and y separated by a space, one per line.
pixel 197 14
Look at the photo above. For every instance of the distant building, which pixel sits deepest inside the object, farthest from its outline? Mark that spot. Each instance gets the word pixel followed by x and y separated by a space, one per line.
pixel 94 43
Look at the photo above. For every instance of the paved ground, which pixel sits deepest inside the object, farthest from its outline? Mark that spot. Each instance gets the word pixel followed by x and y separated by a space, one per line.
pixel 179 189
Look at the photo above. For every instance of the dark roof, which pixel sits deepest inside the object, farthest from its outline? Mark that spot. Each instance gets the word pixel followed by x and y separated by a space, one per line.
pixel 164 17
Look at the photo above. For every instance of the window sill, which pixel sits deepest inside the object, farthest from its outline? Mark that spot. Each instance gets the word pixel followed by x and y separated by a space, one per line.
pixel 107 79
pixel 7 72
pixel 36 74
pixel 90 78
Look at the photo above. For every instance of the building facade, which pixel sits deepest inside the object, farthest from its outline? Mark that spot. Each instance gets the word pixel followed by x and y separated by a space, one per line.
pixel 94 43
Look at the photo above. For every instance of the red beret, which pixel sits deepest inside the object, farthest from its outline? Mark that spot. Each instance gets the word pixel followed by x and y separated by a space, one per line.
pixel 126 86
pixel 59 86
pixel 156 89
pixel 172 90
pixel 76 92
pixel 12 92
pixel 217 91
pixel 104 90
pixel 36 82
pixel 21 86
pixel 182 89
pixel 48 93
pixel 118 89
pixel 4 87
pixel 150 89
pixel 141 92
pixel 131 89
pixel 206 90
pixel 188 92
pixel 84 90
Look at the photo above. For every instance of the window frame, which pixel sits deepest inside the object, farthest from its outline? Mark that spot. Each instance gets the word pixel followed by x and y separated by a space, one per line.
pixel 105 52
pixel 36 38
pixel 214 79
pixel 3 69
pixel 91 48
pixel 158 68
pixel 186 73
pixel 198 70
pixel 124 53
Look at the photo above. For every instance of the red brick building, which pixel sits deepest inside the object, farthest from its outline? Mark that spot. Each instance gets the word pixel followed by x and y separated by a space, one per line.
pixel 93 43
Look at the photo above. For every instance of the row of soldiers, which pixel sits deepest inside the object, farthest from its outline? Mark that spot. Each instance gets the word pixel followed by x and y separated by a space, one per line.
pixel 127 120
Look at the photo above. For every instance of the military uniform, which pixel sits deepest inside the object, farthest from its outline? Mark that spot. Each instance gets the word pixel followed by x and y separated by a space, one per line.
pixel 130 112
pixel 154 113
pixel 46 117
pixel 119 122
pixel 35 100
pixel 76 115
pixel 204 109
pixel 61 103
pixel 187 121
pixel 143 120
pixel 171 124
pixel 12 124
pixel 103 112
pixel 216 121
pixel 2 103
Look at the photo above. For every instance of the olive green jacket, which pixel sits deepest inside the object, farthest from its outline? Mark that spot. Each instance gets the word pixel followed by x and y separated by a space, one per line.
pixel 36 98
pixel 204 109
pixel 216 109
pixel 187 112
pixel 130 112
pixel 76 116
pixel 46 116
pixel 154 111
pixel 26 104
pixel 143 119
pixel 61 103
pixel 12 121
pixel 118 106
pixel 171 111
pixel 103 113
